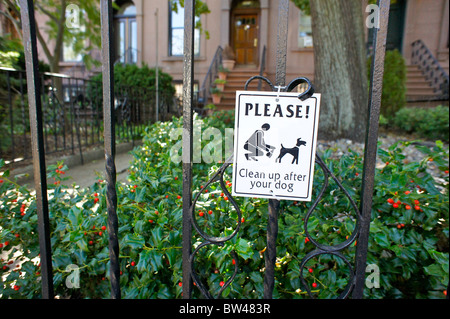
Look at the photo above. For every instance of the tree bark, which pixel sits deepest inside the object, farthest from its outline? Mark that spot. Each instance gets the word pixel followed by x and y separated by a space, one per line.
pixel 340 68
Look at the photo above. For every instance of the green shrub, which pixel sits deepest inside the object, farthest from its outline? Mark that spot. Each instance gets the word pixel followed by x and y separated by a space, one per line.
pixel 394 83
pixel 409 245
pixel 430 123
pixel 139 81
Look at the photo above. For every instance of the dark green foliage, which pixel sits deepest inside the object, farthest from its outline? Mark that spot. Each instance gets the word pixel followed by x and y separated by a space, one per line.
pixel 430 123
pixel 394 83
pixel 412 259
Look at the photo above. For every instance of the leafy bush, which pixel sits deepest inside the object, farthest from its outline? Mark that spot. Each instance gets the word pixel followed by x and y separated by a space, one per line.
pixel 409 244
pixel 140 81
pixel 394 83
pixel 431 123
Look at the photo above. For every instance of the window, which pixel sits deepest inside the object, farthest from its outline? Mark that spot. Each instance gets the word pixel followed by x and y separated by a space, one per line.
pixel 126 34
pixel 69 55
pixel 305 39
pixel 176 32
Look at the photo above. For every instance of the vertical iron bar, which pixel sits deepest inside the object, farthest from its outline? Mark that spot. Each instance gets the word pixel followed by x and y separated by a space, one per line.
pixel 110 143
pixel 274 205
pixel 11 117
pixel 37 144
pixel 24 124
pixel 188 86
pixel 370 150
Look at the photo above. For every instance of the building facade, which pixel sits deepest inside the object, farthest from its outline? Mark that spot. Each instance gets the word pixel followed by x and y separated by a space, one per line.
pixel 151 32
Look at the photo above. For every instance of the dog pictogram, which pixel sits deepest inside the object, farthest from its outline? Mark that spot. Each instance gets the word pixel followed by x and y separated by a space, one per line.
pixel 293 151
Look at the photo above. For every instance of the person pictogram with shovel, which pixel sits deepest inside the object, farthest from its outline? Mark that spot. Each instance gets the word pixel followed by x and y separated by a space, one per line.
pixel 257 146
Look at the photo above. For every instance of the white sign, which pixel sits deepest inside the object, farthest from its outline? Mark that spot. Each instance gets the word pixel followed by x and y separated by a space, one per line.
pixel 275 145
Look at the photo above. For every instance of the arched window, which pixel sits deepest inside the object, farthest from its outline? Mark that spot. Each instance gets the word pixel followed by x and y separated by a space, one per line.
pixel 126 34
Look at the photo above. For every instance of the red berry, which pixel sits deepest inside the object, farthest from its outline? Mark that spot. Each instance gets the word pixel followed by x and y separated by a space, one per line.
pixel 210 212
pixel 314 285
pixel 417 207
pixel 221 283
pixel 95 194
pixel 167 196
pixel 16 288
pixel 17 235
pixel 242 220
pixel 133 263
pixel 310 270
pixel 306 240
pixel 407 192
pixel 395 205
pixel 226 198
pixel 408 207
pixel 150 221
pixel 390 201
pixel 135 186
pixel 180 284
pixel 91 242
pixel 201 214
pixel 234 262
pixel 100 233
pixel 96 200
pixel 399 226
pixel 103 227
pixel 176 178
pixel 416 202
pixel 178 196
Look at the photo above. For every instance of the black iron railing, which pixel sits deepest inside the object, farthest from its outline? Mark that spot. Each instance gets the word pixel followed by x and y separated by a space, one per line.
pixel 72 113
pixel 430 67
pixel 210 76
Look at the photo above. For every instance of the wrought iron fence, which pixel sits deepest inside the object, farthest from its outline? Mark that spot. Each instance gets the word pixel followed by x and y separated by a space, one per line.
pixel 109 116
pixel 72 113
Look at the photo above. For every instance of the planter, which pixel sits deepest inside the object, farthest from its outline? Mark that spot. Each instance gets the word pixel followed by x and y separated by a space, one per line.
pixel 216 98
pixel 222 75
pixel 228 64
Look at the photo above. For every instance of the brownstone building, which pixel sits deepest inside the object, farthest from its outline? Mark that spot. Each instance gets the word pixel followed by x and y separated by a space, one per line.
pixel 151 32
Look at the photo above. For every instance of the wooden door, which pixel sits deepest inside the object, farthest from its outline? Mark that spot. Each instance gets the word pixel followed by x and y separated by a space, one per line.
pixel 245 38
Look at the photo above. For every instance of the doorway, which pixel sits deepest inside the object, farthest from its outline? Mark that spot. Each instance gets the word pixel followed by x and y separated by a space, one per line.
pixel 396 25
pixel 245 32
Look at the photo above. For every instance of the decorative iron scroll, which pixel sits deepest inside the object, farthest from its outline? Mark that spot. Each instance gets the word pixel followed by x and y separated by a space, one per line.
pixel 209 240
pixel 320 248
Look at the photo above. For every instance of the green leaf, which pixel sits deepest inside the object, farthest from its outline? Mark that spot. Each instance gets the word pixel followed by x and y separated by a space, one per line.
pixel 382 240
pixel 244 249
pixel 133 241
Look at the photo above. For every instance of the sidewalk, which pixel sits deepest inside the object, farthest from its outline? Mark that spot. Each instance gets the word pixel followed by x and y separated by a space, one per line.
pixel 84 175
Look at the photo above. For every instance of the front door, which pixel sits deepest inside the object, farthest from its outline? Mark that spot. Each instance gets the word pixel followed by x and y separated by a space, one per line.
pixel 245 38
pixel 396 25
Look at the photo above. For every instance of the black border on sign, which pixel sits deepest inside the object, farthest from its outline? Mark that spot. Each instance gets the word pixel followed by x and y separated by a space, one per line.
pixel 237 117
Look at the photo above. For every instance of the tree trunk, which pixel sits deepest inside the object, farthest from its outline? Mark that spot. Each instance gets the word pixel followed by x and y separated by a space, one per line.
pixel 340 68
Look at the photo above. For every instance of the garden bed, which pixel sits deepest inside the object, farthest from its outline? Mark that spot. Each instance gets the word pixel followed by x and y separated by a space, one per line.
pixel 408 241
